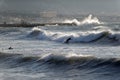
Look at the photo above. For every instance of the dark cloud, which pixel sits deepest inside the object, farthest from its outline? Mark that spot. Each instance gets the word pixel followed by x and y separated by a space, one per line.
pixel 62 6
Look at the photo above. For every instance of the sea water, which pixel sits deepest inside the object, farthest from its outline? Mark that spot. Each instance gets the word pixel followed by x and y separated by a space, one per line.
pixel 87 50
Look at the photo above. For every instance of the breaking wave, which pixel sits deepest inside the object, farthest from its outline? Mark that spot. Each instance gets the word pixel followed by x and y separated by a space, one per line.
pixel 90 20
pixel 75 37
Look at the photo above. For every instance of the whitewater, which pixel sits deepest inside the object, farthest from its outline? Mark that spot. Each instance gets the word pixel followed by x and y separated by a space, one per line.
pixel 88 49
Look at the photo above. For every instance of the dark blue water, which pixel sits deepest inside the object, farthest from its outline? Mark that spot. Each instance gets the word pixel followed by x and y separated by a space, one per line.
pixel 87 50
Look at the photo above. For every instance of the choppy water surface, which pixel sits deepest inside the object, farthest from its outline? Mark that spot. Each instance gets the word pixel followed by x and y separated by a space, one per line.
pixel 87 50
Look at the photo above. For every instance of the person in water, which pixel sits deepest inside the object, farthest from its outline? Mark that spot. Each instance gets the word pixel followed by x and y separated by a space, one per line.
pixel 67 40
pixel 10 48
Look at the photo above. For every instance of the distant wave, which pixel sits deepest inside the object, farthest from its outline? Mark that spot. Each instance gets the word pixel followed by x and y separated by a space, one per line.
pixel 75 37
pixel 90 20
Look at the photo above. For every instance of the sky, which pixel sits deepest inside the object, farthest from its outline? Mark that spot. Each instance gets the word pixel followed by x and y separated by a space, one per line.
pixel 62 6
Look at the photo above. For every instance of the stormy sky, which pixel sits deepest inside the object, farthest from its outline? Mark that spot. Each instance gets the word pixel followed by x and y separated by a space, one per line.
pixel 62 6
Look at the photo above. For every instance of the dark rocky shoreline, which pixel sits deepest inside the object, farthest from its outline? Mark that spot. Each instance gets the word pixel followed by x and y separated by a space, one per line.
pixel 32 25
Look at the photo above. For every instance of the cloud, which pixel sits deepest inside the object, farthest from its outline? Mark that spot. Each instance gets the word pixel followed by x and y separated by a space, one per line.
pixel 1 2
pixel 61 6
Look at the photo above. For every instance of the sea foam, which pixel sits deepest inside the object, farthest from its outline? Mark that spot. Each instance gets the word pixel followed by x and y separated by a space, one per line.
pixel 86 21
pixel 75 37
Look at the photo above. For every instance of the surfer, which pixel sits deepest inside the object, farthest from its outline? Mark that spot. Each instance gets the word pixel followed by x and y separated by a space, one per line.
pixel 67 40
pixel 10 48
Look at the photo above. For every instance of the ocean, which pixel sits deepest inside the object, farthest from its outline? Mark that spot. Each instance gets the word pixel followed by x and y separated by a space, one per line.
pixel 88 49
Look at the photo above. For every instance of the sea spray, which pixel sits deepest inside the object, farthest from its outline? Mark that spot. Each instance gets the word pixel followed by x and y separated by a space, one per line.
pixel 86 21
pixel 89 36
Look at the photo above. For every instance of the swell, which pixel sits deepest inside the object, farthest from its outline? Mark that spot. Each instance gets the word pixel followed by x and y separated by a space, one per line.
pixel 71 60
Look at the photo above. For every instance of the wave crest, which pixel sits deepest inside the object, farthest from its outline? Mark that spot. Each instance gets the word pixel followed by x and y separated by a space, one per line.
pixel 75 37
pixel 90 20
pixel 79 60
